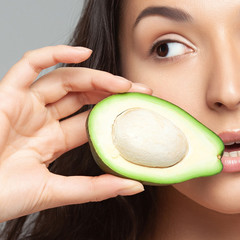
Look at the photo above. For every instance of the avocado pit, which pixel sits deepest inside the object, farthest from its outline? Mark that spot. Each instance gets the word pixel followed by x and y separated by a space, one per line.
pixel 146 138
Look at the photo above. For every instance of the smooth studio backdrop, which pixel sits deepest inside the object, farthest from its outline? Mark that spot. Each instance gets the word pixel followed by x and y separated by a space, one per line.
pixel 31 24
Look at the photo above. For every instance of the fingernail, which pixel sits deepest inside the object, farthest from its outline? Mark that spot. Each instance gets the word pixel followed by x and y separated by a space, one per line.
pixel 83 49
pixel 132 189
pixel 138 87
pixel 122 84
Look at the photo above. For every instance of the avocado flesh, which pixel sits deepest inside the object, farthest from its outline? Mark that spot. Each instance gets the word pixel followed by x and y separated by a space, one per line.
pixel 204 148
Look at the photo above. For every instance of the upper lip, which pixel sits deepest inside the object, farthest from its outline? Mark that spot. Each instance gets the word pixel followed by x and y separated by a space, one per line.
pixel 230 137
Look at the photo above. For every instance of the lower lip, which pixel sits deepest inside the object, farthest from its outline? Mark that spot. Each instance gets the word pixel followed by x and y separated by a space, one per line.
pixel 231 164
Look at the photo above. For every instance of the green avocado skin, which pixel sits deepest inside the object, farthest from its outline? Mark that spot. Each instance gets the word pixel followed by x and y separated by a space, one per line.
pixel 152 181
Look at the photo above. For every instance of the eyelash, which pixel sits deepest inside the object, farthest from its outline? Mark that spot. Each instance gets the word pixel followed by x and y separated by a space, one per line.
pixel 153 50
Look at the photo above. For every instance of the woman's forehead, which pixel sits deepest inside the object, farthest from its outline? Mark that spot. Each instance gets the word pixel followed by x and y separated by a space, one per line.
pixel 131 10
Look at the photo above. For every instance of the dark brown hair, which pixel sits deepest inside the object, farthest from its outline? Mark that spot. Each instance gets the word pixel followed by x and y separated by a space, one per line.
pixel 120 218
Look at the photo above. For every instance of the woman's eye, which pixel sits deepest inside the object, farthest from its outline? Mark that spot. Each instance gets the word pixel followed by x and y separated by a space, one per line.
pixel 170 49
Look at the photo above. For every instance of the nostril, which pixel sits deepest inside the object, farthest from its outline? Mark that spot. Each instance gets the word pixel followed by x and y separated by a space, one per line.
pixel 218 104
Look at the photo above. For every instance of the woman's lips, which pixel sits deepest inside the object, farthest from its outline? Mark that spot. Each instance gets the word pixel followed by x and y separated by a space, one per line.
pixel 231 156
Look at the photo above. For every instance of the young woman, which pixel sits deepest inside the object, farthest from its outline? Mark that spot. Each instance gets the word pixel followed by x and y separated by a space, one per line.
pixel 187 53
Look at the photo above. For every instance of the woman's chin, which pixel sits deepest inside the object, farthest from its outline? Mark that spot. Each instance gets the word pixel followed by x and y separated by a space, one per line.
pixel 220 193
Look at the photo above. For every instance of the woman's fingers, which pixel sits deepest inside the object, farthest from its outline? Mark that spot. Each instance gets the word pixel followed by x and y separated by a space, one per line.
pixel 72 102
pixel 74 130
pixel 80 189
pixel 24 72
pixel 55 85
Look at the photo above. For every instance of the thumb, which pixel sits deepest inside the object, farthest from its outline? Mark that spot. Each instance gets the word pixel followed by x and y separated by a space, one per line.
pixel 63 190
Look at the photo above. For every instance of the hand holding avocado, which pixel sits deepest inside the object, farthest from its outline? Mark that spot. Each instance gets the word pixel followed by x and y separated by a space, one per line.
pixel 32 135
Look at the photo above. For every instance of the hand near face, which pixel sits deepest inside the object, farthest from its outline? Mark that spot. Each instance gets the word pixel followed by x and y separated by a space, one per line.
pixel 32 136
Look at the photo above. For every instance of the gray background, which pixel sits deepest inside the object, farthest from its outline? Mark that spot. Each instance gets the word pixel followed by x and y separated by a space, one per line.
pixel 31 24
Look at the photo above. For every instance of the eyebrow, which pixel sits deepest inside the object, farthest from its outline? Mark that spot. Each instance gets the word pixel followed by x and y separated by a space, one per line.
pixel 174 14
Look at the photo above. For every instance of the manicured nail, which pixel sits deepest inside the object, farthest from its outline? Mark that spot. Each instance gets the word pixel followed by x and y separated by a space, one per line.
pixel 83 49
pixel 133 188
pixel 121 84
pixel 138 87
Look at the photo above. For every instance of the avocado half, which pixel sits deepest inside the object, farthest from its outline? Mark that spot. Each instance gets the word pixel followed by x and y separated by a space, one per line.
pixel 151 140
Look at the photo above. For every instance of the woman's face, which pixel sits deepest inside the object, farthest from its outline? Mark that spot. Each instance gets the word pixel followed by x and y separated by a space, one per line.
pixel 188 52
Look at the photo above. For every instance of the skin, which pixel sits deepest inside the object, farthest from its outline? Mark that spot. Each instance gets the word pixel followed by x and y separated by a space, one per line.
pixel 203 80
pixel 32 136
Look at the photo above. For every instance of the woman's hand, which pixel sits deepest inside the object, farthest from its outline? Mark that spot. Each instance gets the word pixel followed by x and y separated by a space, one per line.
pixel 31 135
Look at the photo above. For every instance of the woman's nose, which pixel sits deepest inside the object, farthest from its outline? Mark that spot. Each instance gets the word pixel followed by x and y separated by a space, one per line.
pixel 223 89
